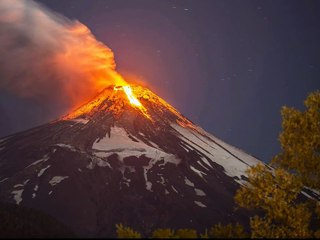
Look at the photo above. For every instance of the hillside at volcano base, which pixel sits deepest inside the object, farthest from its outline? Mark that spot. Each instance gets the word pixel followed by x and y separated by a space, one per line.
pixel 128 157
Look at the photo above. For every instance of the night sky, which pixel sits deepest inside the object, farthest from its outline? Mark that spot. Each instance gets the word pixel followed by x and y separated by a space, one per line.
pixel 228 66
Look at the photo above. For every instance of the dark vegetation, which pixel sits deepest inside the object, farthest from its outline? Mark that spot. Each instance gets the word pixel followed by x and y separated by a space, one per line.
pixel 22 222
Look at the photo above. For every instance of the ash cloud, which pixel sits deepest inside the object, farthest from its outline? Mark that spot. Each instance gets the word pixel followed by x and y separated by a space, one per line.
pixel 50 59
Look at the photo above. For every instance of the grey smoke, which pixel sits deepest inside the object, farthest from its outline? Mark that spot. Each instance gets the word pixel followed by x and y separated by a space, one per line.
pixel 48 58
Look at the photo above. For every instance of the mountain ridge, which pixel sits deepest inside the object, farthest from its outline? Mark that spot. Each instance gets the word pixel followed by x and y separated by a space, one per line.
pixel 113 161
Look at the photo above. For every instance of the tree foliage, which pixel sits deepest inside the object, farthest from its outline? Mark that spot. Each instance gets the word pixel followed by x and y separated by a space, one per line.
pixel 300 142
pixel 126 232
pixel 186 233
pixel 169 233
pixel 217 231
pixel 227 231
pixel 274 193
pixel 163 233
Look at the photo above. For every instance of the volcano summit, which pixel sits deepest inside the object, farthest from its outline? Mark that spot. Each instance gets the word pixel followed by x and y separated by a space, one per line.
pixel 126 157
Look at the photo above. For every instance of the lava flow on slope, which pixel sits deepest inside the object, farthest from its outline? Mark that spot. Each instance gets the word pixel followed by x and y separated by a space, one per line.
pixel 115 98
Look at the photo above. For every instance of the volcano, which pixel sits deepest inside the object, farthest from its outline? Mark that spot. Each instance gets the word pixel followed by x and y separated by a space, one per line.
pixel 128 157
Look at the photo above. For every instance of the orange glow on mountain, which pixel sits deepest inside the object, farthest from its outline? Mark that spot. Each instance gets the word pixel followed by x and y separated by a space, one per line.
pixel 118 96
pixel 118 99
pixel 133 99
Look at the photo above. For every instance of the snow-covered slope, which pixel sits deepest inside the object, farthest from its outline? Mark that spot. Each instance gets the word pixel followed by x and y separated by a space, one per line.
pixel 107 163
pixel 234 161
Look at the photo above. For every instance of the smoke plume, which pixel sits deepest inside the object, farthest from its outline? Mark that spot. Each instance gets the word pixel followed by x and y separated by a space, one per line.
pixel 49 58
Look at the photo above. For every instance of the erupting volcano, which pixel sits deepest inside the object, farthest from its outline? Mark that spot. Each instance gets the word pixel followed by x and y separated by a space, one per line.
pixel 111 151
pixel 126 156
pixel 114 96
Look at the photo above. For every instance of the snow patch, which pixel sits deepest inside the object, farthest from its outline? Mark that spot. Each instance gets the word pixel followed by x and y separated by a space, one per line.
pixel 162 181
pixel 199 192
pixel 148 183
pixel 4 139
pixel 206 162
pixel 200 204
pixel 154 145
pixel 57 179
pixel 140 133
pixel 96 161
pixel 197 171
pixel 80 120
pixel 125 181
pixel 314 191
pixel 36 188
pixel 201 164
pixel 170 158
pixel 2 180
pixel 66 146
pixel 120 143
pixel 307 195
pixel 186 149
pixel 174 189
pixel 188 182
pixel 217 151
pixel 43 170
pixel 43 159
pixel 34 195
pixel 17 195
pixel 21 184
pixel 148 186
pixel 50 192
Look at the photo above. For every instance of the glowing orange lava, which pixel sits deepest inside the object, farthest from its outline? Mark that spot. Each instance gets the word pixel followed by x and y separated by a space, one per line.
pixel 133 99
